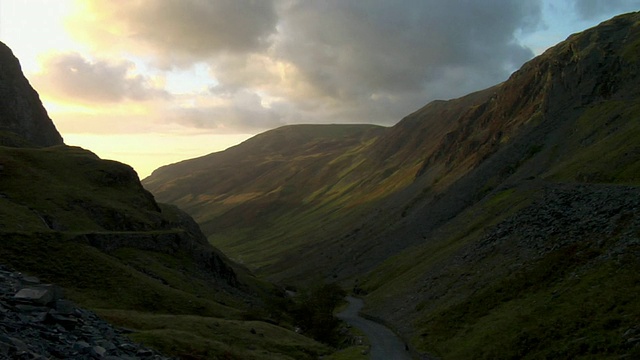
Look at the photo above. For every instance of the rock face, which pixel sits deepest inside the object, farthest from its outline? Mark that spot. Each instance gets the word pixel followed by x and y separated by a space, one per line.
pixel 23 120
pixel 37 323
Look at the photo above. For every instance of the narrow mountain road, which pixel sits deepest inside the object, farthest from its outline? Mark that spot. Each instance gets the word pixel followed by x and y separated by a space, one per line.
pixel 385 345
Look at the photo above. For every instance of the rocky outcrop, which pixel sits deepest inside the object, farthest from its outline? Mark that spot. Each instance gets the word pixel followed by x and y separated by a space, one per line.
pixel 38 323
pixel 22 116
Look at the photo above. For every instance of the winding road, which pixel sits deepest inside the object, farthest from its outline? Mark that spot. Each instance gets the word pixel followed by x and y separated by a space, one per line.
pixel 385 345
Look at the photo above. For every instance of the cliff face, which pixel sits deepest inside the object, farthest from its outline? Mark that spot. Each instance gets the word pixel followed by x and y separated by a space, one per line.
pixel 23 120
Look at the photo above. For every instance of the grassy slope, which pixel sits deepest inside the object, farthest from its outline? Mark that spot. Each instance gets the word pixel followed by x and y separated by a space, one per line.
pixel 489 307
pixel 588 302
pixel 74 192
pixel 567 301
pixel 311 201
pixel 271 206
pixel 606 146
pixel 570 302
pixel 38 186
pixel 319 165
pixel 217 338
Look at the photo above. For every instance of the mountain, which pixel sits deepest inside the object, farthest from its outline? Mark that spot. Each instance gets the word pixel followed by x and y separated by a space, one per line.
pixel 287 171
pixel 87 225
pixel 503 224
pixel 23 119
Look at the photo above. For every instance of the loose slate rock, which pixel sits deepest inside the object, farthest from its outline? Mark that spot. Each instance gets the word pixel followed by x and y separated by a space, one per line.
pixel 37 323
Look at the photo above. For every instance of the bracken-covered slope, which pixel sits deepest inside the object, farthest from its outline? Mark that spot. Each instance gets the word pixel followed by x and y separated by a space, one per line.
pixel 88 225
pixel 503 224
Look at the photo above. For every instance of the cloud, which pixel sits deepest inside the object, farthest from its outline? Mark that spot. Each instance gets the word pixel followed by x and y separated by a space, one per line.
pixel 177 32
pixel 354 49
pixel 73 78
pixel 318 61
pixel 378 61
pixel 591 9
pixel 231 112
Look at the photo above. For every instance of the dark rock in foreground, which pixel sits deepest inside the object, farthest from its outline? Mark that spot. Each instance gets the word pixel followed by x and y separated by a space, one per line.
pixel 36 322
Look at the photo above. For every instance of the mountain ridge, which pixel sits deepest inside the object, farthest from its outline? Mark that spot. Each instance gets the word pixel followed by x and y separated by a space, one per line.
pixel 442 142
pixel 454 178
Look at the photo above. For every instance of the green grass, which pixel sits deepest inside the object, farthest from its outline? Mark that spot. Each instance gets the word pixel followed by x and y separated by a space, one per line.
pixel 360 352
pixel 398 274
pixel 212 338
pixel 605 146
pixel 72 189
pixel 51 198
pixel 97 280
pixel 555 308
pixel 570 303
pixel 632 49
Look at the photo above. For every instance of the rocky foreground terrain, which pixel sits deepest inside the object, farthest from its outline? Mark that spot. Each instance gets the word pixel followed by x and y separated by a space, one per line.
pixel 38 323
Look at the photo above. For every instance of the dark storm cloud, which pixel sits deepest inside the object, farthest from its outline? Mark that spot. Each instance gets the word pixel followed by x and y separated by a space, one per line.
pixel 366 50
pixel 351 47
pixel 71 76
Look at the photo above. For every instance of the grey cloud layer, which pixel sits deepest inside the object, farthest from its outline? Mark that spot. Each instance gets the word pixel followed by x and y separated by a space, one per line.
pixel 355 48
pixel 71 76
pixel 179 32
pixel 333 60
pixel 243 112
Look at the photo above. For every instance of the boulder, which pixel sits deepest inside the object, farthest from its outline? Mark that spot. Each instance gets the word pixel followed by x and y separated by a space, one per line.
pixel 40 294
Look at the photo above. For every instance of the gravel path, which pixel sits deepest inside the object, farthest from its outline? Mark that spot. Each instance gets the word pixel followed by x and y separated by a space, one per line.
pixel 385 345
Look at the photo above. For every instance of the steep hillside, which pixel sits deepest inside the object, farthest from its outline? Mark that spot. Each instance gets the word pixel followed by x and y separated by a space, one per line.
pixel 543 255
pixel 503 224
pixel 292 174
pixel 389 189
pixel 88 225
pixel 23 119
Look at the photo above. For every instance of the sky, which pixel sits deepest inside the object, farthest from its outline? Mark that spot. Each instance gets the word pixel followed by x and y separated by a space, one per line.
pixel 153 82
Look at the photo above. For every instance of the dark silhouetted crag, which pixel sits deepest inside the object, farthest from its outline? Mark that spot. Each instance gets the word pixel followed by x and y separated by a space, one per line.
pixel 23 119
